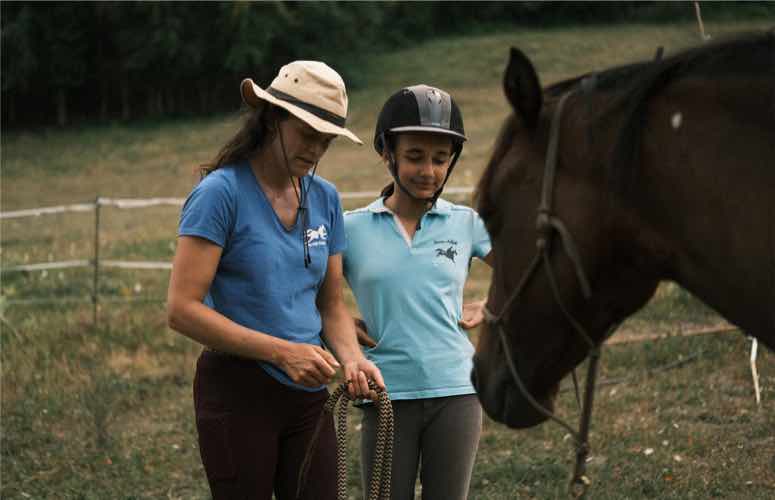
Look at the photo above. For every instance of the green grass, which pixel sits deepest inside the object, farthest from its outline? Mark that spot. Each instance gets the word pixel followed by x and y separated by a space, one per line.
pixel 106 412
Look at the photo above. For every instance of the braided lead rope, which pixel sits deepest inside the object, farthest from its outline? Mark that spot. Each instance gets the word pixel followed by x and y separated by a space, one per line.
pixel 379 488
pixel 341 440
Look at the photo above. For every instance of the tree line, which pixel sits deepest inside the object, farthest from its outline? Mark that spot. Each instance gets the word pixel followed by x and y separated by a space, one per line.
pixel 66 62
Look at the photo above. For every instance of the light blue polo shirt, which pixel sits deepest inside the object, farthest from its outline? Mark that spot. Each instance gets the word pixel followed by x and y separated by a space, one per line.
pixel 261 281
pixel 410 294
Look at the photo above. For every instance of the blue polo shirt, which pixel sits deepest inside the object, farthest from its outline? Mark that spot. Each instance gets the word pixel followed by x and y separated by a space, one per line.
pixel 410 294
pixel 261 281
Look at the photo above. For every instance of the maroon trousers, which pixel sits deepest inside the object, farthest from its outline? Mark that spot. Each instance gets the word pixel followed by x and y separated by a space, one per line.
pixel 254 432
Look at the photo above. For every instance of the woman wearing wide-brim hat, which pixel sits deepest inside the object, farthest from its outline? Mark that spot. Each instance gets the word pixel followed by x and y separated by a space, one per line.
pixel 257 279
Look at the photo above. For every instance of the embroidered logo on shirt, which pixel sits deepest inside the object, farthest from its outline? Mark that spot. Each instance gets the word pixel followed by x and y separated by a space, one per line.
pixel 316 237
pixel 448 253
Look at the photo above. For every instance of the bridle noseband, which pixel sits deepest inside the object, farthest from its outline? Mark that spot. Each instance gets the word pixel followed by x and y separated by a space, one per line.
pixel 547 223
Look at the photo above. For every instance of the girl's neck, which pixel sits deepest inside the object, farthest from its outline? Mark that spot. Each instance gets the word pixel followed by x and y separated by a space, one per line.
pixel 404 206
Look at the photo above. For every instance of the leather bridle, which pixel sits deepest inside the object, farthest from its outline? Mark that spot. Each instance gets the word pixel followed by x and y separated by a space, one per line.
pixel 547 223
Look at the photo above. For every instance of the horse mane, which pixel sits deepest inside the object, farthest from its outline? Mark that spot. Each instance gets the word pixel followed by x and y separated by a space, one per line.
pixel 634 84
pixel 508 129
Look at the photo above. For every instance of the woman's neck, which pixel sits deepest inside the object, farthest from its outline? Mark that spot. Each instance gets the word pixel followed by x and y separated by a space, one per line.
pixel 269 172
pixel 406 207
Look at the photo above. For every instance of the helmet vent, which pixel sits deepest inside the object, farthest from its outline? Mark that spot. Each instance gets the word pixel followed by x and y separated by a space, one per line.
pixel 434 105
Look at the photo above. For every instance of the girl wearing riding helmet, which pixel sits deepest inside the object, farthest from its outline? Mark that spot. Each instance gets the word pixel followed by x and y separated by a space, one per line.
pixel 257 279
pixel 407 261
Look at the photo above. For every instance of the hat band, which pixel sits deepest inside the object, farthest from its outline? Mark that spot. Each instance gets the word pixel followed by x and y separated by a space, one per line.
pixel 311 108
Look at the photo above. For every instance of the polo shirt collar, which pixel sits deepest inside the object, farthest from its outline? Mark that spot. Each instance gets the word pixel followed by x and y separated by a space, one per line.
pixel 441 207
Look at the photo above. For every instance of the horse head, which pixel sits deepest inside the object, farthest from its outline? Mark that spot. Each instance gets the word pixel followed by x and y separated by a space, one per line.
pixel 601 186
pixel 544 341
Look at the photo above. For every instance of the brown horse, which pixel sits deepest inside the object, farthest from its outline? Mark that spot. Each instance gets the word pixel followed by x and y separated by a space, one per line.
pixel 665 170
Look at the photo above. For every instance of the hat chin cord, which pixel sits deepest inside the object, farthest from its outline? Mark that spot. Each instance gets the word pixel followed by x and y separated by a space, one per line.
pixel 301 194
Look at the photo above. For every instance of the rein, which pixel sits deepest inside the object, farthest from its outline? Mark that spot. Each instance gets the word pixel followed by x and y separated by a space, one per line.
pixel 379 489
pixel 547 224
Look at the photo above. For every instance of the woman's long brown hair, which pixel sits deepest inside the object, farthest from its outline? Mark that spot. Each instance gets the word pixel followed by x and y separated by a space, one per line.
pixel 256 131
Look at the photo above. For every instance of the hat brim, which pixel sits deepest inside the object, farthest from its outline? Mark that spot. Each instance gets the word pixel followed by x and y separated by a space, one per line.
pixel 252 94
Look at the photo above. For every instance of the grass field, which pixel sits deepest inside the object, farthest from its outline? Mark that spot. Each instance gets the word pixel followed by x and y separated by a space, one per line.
pixel 106 413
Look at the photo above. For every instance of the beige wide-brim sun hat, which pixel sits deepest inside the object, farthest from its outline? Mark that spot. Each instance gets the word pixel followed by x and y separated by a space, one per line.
pixel 309 90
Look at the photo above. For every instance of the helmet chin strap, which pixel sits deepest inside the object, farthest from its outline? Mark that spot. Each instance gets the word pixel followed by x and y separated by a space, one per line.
pixel 394 173
pixel 449 172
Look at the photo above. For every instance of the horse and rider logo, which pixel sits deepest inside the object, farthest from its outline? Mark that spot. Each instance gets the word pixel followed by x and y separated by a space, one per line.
pixel 317 236
pixel 448 253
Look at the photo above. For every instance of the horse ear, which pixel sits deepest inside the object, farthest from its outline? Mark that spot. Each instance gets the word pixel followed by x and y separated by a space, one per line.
pixel 520 84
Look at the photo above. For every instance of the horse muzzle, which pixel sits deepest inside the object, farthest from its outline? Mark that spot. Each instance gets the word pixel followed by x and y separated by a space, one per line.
pixel 502 400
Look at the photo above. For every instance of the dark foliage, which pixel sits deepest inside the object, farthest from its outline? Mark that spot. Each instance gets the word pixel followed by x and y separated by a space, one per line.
pixel 68 62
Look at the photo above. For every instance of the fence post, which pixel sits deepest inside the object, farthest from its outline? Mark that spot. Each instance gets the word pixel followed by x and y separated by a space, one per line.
pixel 704 36
pixel 96 278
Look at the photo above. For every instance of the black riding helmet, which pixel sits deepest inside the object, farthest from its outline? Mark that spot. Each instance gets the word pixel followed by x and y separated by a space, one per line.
pixel 419 108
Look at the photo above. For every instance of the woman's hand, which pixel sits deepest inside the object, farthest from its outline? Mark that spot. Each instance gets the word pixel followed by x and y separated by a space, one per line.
pixel 307 364
pixel 473 315
pixel 357 375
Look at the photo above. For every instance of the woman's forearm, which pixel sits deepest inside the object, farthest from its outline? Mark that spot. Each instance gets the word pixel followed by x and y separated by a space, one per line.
pixel 212 329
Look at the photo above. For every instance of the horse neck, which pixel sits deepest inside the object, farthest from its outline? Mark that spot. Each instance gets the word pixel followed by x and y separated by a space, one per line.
pixel 702 211
pixel 625 266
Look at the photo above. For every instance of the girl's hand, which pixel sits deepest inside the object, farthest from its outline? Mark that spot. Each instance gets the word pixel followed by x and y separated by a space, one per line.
pixel 363 334
pixel 473 315
pixel 308 365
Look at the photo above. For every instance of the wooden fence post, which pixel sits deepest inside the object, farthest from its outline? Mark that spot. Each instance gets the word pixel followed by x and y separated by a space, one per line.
pixel 96 277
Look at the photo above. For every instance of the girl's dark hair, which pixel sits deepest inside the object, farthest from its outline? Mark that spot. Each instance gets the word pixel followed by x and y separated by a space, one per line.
pixel 256 131
pixel 390 149
pixel 387 190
